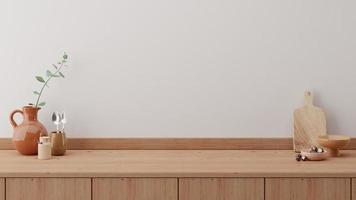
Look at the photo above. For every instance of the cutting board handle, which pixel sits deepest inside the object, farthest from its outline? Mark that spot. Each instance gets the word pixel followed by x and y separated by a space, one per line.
pixel 308 98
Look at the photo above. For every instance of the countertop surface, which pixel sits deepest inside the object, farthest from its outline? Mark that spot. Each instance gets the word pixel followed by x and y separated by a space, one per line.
pixel 175 163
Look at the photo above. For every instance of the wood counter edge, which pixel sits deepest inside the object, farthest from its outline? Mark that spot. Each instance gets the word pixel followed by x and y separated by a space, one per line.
pixel 176 144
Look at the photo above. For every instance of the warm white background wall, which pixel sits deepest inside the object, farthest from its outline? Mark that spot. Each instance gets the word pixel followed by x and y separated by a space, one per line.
pixel 181 68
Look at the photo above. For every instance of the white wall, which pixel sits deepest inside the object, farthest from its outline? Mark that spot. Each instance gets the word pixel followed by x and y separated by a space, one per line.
pixel 181 68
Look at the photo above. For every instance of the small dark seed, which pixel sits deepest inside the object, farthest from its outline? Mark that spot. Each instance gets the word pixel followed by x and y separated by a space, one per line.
pixel 304 158
pixel 314 149
pixel 298 157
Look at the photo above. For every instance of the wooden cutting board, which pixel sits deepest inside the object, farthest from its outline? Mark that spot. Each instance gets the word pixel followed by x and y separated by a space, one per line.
pixel 309 123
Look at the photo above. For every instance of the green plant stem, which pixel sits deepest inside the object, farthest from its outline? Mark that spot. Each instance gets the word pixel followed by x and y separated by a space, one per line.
pixel 45 84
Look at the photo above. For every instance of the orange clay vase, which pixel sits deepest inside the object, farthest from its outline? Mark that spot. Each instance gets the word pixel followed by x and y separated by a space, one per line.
pixel 27 134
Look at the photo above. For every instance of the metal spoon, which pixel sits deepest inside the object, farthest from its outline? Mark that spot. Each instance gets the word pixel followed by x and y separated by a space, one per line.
pixel 63 120
pixel 56 119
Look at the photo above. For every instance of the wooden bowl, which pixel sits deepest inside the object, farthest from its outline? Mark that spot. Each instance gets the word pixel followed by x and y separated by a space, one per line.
pixel 333 143
pixel 314 156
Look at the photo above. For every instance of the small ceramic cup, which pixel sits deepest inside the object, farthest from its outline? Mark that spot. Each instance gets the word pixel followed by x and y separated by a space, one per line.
pixel 44 148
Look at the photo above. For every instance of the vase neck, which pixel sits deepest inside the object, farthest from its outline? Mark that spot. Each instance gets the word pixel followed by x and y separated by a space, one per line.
pixel 30 113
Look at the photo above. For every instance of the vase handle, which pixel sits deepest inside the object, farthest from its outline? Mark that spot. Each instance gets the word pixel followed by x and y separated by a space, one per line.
pixel 12 121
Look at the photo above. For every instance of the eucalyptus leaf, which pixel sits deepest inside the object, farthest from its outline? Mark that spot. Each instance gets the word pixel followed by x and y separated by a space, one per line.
pixel 42 104
pixel 49 75
pixel 40 79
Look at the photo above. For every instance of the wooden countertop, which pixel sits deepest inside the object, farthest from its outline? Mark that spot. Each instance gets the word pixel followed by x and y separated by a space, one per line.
pixel 175 163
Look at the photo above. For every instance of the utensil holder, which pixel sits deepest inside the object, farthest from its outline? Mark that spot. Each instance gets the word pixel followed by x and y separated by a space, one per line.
pixel 59 143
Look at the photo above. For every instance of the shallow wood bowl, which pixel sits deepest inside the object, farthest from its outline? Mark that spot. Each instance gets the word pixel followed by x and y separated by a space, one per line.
pixel 333 143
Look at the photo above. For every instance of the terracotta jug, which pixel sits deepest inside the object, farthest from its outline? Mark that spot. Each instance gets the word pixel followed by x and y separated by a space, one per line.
pixel 27 134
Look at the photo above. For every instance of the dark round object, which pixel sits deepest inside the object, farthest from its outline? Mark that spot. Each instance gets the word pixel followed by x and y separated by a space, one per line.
pixel 298 157
pixel 314 149
pixel 304 158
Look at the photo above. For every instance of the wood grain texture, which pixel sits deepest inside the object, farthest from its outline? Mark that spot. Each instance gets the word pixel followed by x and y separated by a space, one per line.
pixel 2 189
pixel 221 188
pixel 176 144
pixel 309 123
pixel 175 163
pixel 308 188
pixel 48 188
pixel 353 194
pixel 181 143
pixel 6 144
pixel 170 143
pixel 135 189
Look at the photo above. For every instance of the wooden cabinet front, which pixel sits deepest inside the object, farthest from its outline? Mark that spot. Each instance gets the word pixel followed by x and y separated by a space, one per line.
pixel 48 188
pixel 308 188
pixel 221 188
pixel 135 189
pixel 2 189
